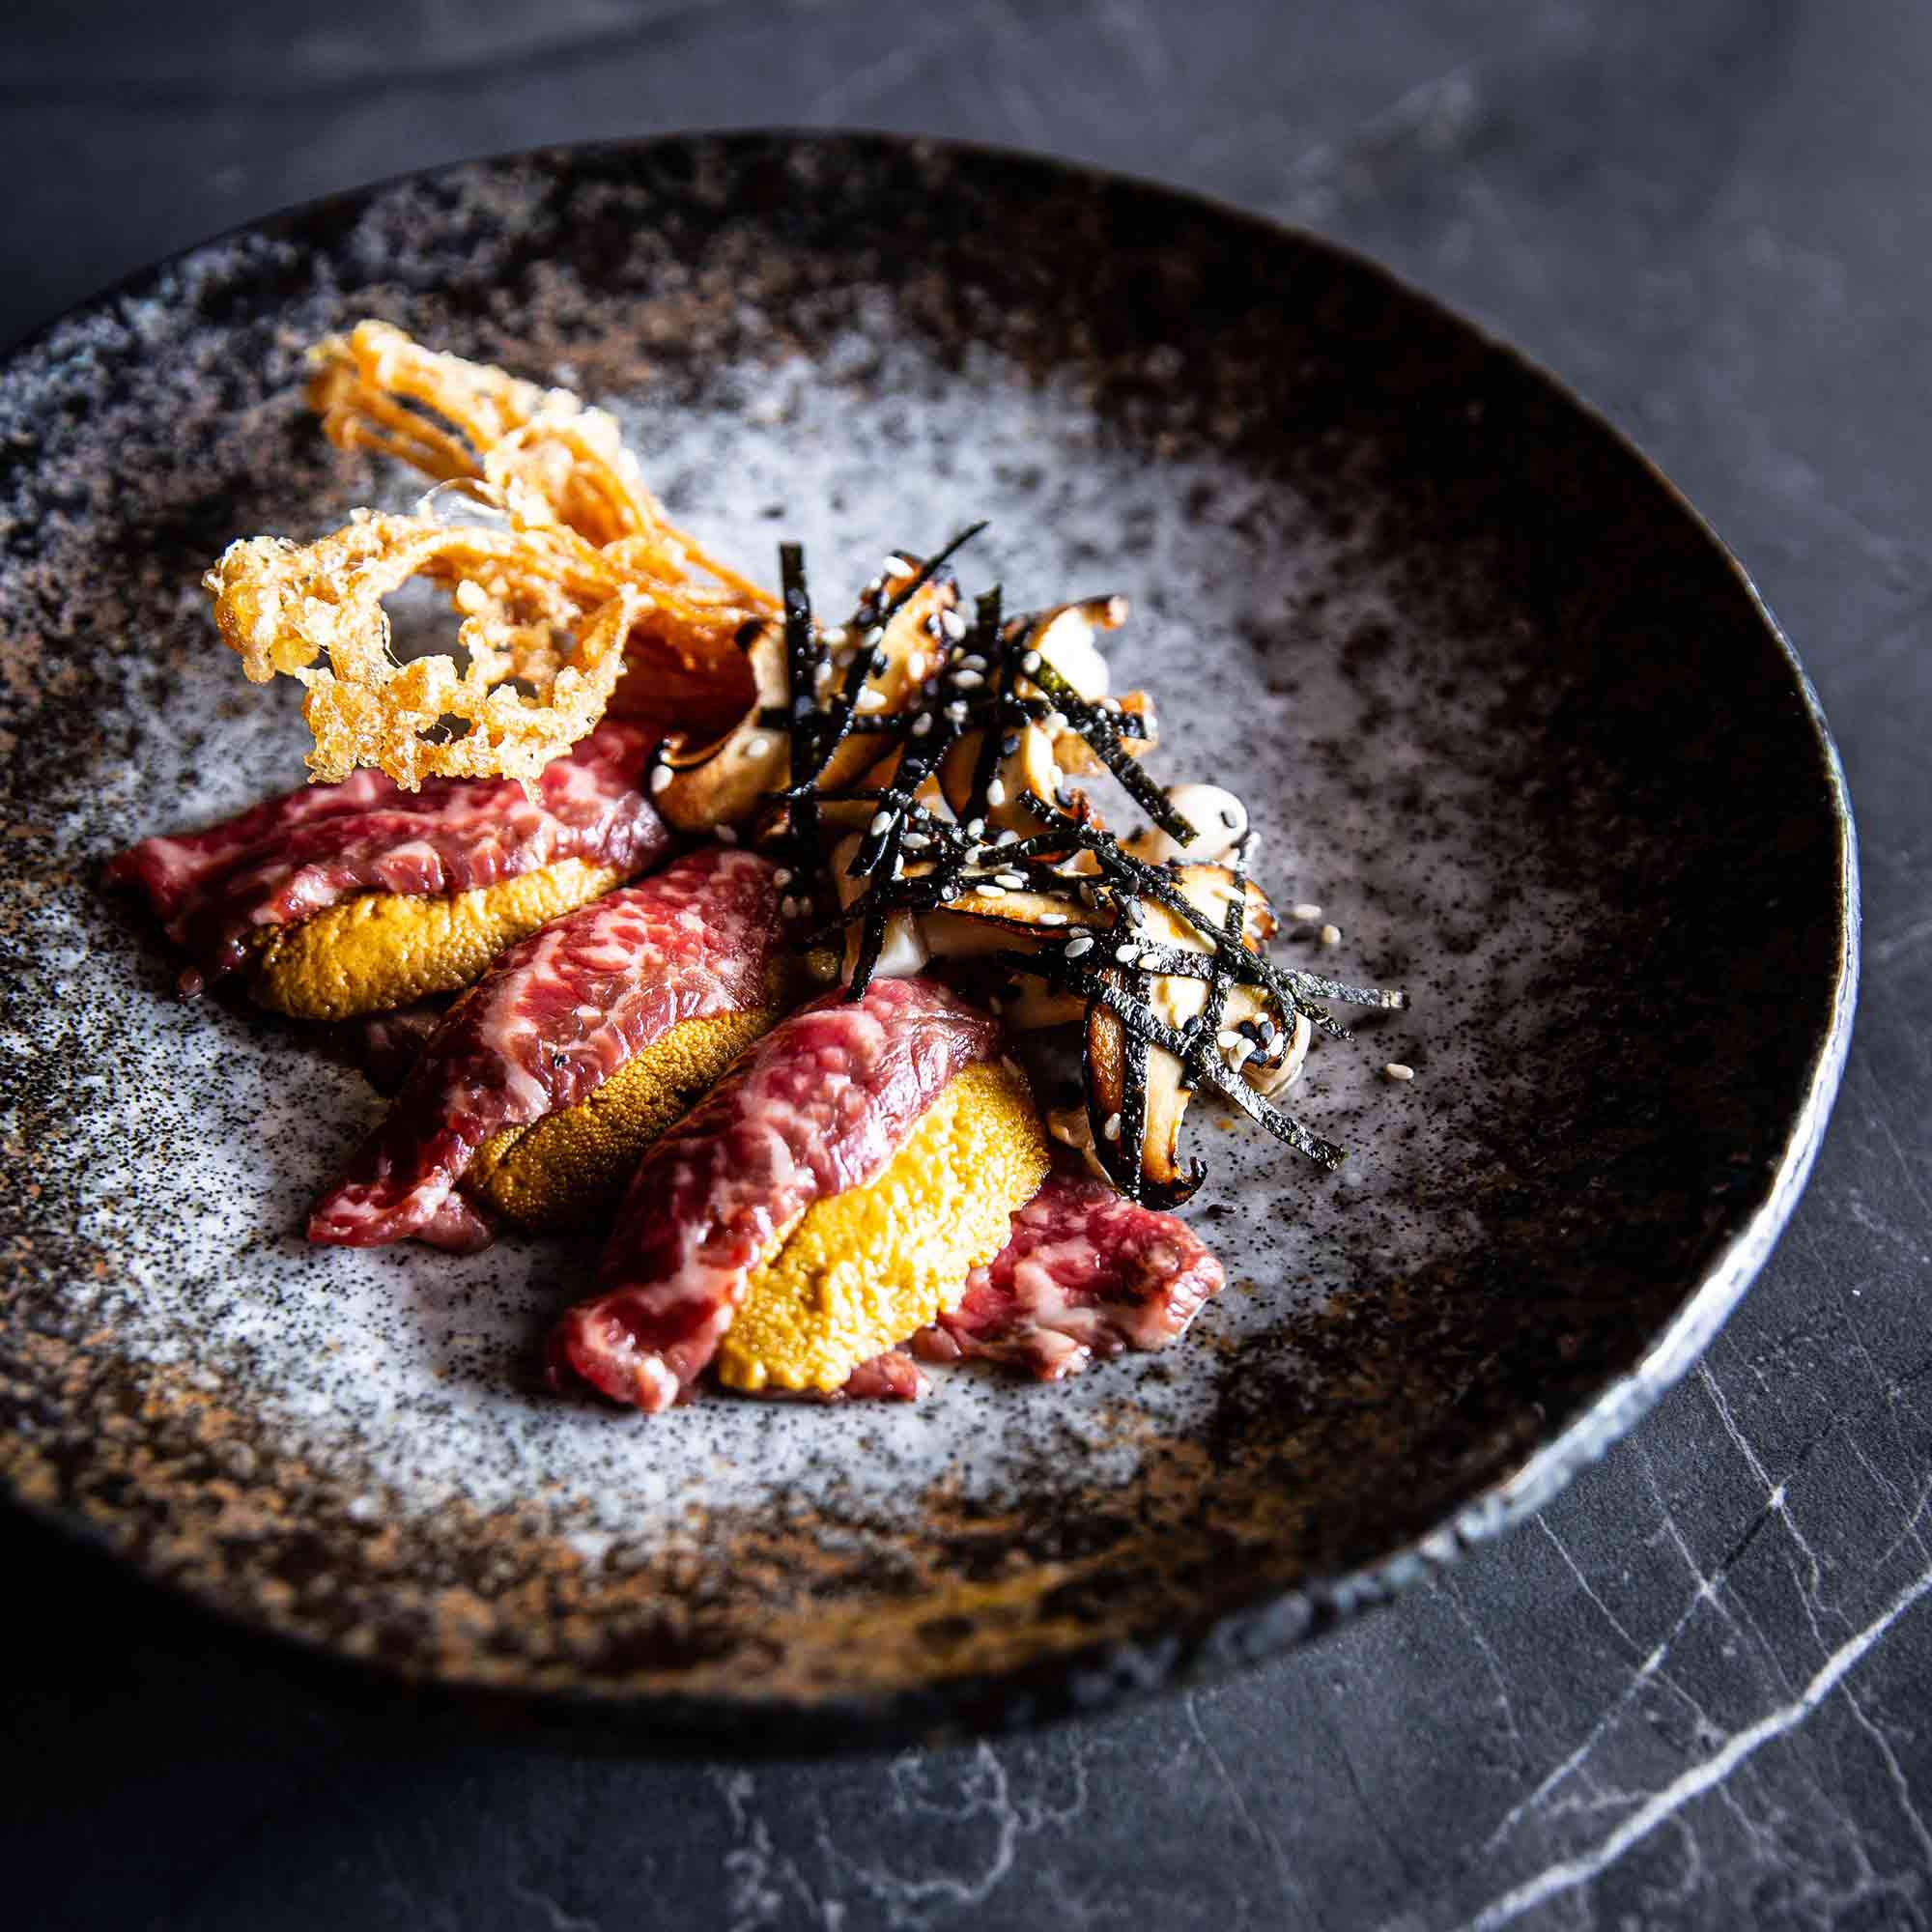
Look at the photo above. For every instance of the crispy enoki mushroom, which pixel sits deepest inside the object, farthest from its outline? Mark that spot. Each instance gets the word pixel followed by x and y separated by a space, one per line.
pixel 542 607
pixel 558 562
pixel 544 454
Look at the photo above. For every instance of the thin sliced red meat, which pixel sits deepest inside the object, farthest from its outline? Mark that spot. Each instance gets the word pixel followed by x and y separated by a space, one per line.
pixel 554 1018
pixel 287 859
pixel 818 1106
pixel 1086 1276
pixel 893 1376
pixel 385 1047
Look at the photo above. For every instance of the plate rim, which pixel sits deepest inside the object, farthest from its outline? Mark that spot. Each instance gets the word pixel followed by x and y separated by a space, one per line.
pixel 1240 1635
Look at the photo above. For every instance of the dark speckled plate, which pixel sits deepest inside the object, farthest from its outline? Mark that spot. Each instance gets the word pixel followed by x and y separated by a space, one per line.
pixel 1499 702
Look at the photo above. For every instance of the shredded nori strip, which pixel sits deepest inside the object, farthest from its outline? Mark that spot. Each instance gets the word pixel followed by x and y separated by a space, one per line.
pixel 1214 1073
pixel 1100 728
pixel 958 700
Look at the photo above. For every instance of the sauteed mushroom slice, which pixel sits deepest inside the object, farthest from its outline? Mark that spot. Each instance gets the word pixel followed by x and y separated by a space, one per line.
pixel 1132 1084
pixel 720 782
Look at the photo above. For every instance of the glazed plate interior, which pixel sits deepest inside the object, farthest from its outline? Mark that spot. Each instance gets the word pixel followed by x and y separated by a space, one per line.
pixel 1497 702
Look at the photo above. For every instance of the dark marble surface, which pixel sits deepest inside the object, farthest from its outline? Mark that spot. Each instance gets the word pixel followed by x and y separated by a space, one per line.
pixel 1696 1692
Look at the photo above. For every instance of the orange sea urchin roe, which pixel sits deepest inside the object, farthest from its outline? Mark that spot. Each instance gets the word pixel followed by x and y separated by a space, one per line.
pixel 384 950
pixel 570 1167
pixel 869 1268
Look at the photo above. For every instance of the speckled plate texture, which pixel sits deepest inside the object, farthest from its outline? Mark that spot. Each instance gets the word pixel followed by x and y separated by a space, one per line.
pixel 1499 702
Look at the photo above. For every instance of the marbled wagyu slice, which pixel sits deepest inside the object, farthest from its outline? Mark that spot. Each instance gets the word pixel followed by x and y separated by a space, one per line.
pixel 354 897
pixel 818 1109
pixel 543 1085
pixel 1086 1276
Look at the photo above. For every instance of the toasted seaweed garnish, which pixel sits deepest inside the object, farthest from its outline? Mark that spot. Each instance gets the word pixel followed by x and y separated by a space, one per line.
pixel 977 688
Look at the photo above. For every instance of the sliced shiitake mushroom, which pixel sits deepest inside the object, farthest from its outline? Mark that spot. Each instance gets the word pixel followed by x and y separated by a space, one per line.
pixel 1218 817
pixel 980 922
pixel 905 951
pixel 1268 1073
pixel 720 781
pixel 1140 734
pixel 1063 637
pixel 1029 768
pixel 1039 764
pixel 1175 999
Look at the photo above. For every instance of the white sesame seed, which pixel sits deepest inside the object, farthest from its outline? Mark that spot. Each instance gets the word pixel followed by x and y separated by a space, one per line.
pixel 833 638
pixel 1227 1039
pixel 1395 1071
pixel 1112 1129
pixel 915 664
pixel 1238 1054
pixel 727 836
pixel 1127 955
pixel 956 711
pixel 973 661
pixel 824 674
pixel 922 725
pixel 882 821
pixel 660 777
pixel 987 890
pixel 1008 838
pixel 916 842
pixel 874 635
pixel 1305 911
pixel 1031 662
pixel 869 700
pixel 967 680
pixel 756 746
pixel 1057 919
pixel 896 566
pixel 1077 948
pixel 952 624
pixel 1055 724
pixel 1331 935
pixel 996 792
pixel 974 827
pixel 1016 880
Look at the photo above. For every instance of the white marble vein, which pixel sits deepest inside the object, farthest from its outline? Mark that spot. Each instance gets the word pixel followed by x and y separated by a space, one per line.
pixel 1663 1805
